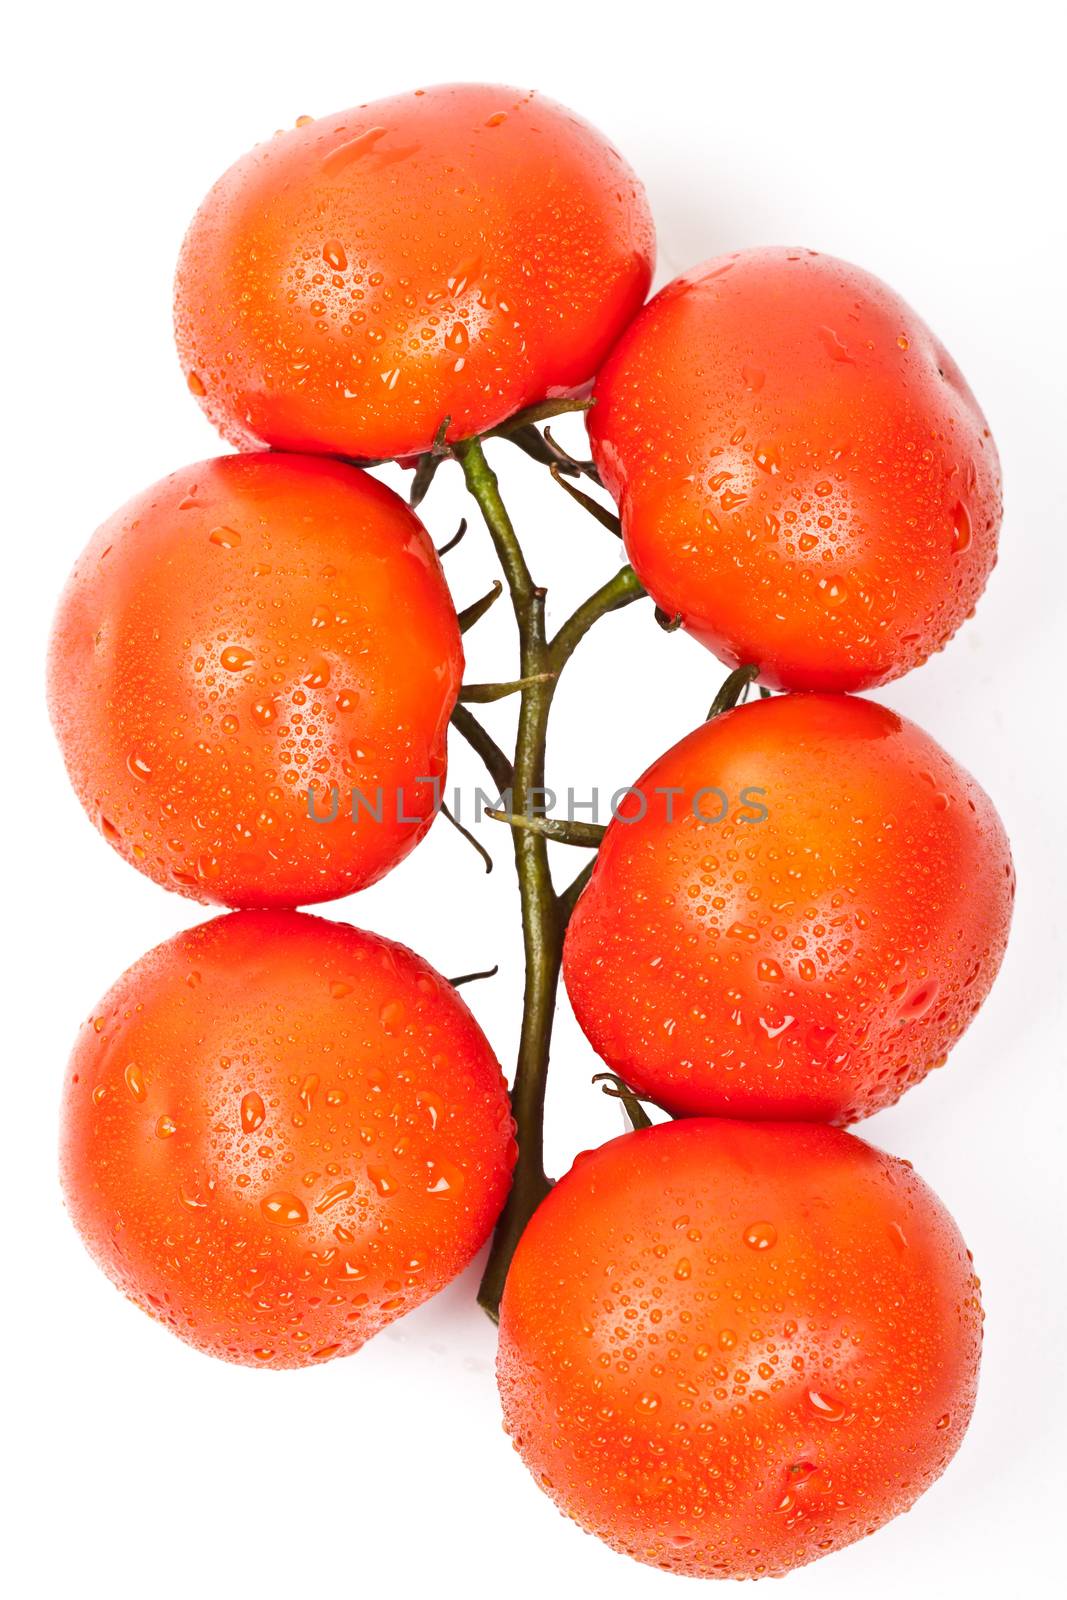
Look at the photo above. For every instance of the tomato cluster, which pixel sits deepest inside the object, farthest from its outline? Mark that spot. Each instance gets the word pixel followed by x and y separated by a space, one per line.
pixel 732 1341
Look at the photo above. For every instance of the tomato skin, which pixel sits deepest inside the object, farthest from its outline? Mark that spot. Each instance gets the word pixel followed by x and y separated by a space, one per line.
pixel 803 474
pixel 281 1133
pixel 729 1348
pixel 245 628
pixel 813 964
pixel 460 252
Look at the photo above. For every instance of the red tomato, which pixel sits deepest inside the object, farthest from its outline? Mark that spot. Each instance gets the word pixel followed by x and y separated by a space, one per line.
pixel 247 628
pixel 459 252
pixel 811 964
pixel 729 1348
pixel 280 1134
pixel 804 476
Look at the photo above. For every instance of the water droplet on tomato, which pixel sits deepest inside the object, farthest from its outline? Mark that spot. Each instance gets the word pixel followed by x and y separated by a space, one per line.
pixel 919 1001
pixel 333 253
pixel 443 1178
pixel 253 1112
pixel 317 675
pixel 340 1191
pixel 225 538
pixel 761 1235
pixel 961 527
pixel 391 1015
pixel 430 1104
pixel 344 154
pixel 287 1210
pixel 833 591
pixel 234 659
pixel 835 349
pixel 826 1406
pixel 464 275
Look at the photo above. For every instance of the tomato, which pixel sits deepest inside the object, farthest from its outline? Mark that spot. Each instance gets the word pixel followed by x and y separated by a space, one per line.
pixel 282 1133
pixel 244 629
pixel 804 477
pixel 729 1348
pixel 819 949
pixel 458 252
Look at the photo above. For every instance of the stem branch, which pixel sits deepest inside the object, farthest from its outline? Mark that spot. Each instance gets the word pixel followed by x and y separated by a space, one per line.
pixel 586 835
pixel 621 590
pixel 484 745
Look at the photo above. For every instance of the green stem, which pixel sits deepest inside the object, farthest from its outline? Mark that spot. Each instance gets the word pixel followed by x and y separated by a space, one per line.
pixel 483 694
pixel 477 609
pixel 543 411
pixel 443 549
pixel 621 590
pixel 483 744
pixel 606 518
pixel 586 835
pixel 733 691
pixel 544 913
pixel 473 977
pixel 465 833
pixel 570 896
pixel 618 1089
pixel 531 442
pixel 541 929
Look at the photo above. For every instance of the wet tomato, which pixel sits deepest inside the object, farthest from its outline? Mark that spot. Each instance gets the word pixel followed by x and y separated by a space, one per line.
pixel 729 1348
pixel 247 629
pixel 280 1134
pixel 796 915
pixel 804 477
pixel 458 252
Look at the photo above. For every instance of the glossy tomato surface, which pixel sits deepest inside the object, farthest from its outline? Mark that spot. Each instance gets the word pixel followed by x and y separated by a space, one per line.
pixel 458 252
pixel 729 1348
pixel 248 628
pixel 280 1134
pixel 804 477
pixel 814 953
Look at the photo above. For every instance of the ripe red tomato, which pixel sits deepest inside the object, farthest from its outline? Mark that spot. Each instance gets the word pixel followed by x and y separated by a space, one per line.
pixel 811 964
pixel 459 252
pixel 246 628
pixel 729 1348
pixel 804 476
pixel 281 1133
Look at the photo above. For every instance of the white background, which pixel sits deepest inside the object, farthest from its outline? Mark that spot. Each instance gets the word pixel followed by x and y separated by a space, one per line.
pixel 925 143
